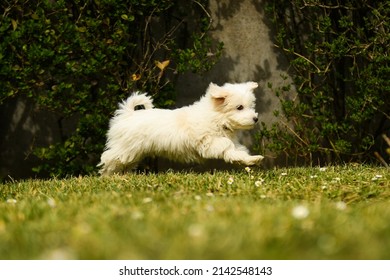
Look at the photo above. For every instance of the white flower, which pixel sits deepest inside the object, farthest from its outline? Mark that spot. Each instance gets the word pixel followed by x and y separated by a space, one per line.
pixel 230 180
pixel 209 208
pixel 137 215
pixel 147 200
pixel 11 201
pixel 263 196
pixel 322 169
pixel 248 169
pixel 259 182
pixel 198 197
pixel 284 174
pixel 313 176
pixel 341 205
pixel 195 230
pixel 376 177
pixel 60 254
pixel 300 212
pixel 52 203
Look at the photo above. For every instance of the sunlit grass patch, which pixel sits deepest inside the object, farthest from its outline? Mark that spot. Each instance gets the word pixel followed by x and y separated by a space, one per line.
pixel 298 213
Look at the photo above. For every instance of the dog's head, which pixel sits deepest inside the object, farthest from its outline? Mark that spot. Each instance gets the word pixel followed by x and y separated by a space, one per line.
pixel 236 102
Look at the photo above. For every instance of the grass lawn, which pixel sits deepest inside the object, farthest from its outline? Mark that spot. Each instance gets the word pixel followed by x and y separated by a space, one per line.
pixel 299 213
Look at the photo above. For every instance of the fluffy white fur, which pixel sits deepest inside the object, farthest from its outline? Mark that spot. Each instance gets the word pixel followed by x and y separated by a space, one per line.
pixel 205 130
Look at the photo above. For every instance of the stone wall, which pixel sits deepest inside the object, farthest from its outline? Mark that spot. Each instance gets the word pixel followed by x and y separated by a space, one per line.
pixel 249 55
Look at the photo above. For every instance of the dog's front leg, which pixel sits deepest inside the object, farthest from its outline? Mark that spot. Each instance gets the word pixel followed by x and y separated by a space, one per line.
pixel 224 148
pixel 242 157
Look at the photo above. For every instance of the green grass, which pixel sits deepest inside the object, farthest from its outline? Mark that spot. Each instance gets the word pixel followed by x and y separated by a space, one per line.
pixel 345 214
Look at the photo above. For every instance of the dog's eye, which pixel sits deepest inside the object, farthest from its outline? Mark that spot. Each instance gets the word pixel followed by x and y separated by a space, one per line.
pixel 240 107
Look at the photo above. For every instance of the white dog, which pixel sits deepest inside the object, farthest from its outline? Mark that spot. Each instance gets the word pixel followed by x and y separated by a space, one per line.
pixel 205 130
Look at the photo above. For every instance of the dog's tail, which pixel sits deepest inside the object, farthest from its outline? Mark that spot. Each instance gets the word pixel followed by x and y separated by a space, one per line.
pixel 137 101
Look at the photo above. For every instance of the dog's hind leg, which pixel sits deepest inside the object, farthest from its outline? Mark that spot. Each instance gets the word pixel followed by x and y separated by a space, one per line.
pixel 116 167
pixel 111 163
pixel 109 167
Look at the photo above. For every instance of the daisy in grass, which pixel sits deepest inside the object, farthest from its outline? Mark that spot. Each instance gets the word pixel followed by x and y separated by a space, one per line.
pixel 259 182
pixel 300 212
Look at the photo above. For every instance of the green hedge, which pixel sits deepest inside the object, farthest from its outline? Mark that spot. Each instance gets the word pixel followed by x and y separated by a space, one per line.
pixel 339 53
pixel 79 58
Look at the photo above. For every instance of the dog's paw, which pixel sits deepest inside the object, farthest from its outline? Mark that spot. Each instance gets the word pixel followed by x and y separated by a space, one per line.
pixel 254 160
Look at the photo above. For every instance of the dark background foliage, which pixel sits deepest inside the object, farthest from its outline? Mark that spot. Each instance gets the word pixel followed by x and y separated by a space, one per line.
pixel 339 53
pixel 78 59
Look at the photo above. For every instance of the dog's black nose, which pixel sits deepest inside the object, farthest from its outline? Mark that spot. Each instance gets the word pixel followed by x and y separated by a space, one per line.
pixel 255 119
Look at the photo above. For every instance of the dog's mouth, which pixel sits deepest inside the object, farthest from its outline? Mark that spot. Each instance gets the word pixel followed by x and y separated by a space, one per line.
pixel 243 126
pixel 250 126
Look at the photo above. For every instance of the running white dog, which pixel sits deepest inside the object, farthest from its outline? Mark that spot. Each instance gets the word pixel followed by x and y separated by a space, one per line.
pixel 205 130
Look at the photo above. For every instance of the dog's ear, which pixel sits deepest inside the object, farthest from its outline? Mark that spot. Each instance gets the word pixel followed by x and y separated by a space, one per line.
pixel 217 93
pixel 252 85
